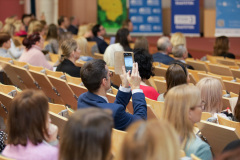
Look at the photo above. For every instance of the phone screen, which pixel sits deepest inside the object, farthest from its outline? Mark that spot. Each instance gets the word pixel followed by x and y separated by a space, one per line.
pixel 128 60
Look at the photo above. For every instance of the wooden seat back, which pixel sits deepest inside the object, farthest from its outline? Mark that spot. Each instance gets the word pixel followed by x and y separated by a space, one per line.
pixel 220 69
pixel 197 65
pixel 226 122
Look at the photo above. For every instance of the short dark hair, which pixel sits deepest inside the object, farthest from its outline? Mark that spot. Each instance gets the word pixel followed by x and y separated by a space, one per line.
pixel 176 75
pixel 121 37
pixel 4 37
pixel 61 20
pixel 92 74
pixel 28 118
pixel 31 40
pixel 25 16
pixel 125 23
pixel 87 135
pixel 96 29
pixel 144 60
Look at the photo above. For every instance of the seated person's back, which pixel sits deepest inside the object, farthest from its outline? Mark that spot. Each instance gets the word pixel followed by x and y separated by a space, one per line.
pixel 70 53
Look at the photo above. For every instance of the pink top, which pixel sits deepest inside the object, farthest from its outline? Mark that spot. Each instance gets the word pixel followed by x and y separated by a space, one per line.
pixel 35 57
pixel 42 151
pixel 149 92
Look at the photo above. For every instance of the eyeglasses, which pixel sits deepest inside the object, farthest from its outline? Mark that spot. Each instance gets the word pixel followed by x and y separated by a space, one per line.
pixel 202 105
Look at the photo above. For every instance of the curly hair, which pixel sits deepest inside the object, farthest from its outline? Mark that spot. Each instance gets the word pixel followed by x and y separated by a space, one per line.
pixel 144 60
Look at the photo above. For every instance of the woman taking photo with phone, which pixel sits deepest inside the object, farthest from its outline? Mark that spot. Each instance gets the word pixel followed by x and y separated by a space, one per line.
pixel 29 130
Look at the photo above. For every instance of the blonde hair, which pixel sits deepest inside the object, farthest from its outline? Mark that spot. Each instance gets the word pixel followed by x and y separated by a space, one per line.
pixel 150 140
pixel 67 47
pixel 1 24
pixel 85 29
pixel 9 28
pixel 178 38
pixel 34 26
pixel 178 101
pixel 82 43
pixel 211 94
pixel 10 20
pixel 18 24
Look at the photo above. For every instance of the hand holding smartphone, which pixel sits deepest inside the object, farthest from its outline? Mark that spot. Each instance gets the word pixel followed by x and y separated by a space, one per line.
pixel 128 61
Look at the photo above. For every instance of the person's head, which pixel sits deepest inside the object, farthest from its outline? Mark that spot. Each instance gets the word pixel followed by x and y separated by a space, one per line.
pixel 10 20
pixel 19 26
pixel 150 140
pixel 183 108
pixel 87 135
pixel 144 60
pixel 180 51
pixel 221 46
pixel 86 30
pixel 52 32
pixel 9 28
pixel 83 44
pixel 36 26
pixel 29 118
pixel 95 75
pixel 123 37
pixel 98 30
pixel 237 110
pixel 70 49
pixel 128 25
pixel 178 38
pixel 33 39
pixel 5 40
pixel 141 43
pixel 26 18
pixel 211 93
pixel 63 22
pixel 176 74
pixel 164 45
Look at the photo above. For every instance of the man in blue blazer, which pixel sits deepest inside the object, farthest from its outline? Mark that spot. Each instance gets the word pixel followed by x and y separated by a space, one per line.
pixel 164 48
pixel 96 78
pixel 98 32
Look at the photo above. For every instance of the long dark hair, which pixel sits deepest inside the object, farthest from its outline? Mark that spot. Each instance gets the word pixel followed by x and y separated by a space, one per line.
pixel 121 37
pixel 221 46
pixel 52 32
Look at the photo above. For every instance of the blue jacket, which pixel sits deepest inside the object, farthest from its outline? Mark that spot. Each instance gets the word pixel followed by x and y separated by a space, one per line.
pixel 102 45
pixel 162 58
pixel 122 119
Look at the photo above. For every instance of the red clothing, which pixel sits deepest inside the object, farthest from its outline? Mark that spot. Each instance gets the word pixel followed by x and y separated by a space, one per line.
pixel 149 92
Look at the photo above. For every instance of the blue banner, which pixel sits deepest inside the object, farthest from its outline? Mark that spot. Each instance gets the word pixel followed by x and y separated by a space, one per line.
pixel 227 18
pixel 185 17
pixel 146 16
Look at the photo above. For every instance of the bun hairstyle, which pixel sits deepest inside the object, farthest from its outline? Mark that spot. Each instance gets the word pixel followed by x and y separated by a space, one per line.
pixel 31 40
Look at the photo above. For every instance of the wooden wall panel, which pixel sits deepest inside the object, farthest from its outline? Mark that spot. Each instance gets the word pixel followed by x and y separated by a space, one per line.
pixel 85 11
pixel 209 22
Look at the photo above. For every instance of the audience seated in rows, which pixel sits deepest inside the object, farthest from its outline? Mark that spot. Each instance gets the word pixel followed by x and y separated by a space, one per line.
pixel 145 68
pixel 14 51
pixel 70 53
pixel 33 54
pixel 20 29
pixel 30 133
pixel 96 78
pixel 150 140
pixel 141 43
pixel 221 47
pixel 176 74
pixel 121 44
pixel 5 44
pixel 52 38
pixel 26 18
pixel 98 33
pixel 87 135
pixel 180 53
pixel 183 108
pixel 36 26
pixel 164 47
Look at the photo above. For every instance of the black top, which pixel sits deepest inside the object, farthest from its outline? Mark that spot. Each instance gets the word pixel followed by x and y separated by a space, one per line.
pixel 102 45
pixel 228 55
pixel 68 67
